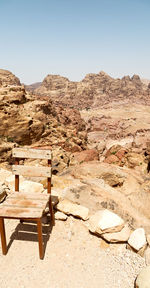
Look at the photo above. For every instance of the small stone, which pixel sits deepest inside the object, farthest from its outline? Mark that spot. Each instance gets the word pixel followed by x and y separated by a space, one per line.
pixel 69 207
pixel 105 221
pixel 121 236
pixel 60 216
pixel 143 279
pixel 137 239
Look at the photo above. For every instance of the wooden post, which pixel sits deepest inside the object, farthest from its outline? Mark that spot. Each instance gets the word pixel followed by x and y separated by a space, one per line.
pixel 17 177
pixel 3 236
pixel 50 201
pixel 40 238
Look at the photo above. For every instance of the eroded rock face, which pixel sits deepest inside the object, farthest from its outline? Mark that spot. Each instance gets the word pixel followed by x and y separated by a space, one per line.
pixel 8 78
pixel 94 90
pixel 26 120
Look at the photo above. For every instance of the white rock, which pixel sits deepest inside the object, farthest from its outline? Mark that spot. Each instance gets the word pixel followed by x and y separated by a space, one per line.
pixel 31 187
pixel 123 142
pixel 69 207
pixel 60 216
pixel 4 174
pixel 10 181
pixel 143 279
pixel 121 236
pixel 137 239
pixel 105 221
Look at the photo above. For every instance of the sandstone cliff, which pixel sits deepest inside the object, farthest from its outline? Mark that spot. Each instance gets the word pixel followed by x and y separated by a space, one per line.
pixel 26 120
pixel 95 90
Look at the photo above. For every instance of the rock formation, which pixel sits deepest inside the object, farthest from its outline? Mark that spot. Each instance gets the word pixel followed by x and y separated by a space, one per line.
pixel 26 120
pixel 95 90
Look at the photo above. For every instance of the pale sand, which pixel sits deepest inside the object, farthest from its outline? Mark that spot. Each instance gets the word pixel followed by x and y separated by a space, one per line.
pixel 73 259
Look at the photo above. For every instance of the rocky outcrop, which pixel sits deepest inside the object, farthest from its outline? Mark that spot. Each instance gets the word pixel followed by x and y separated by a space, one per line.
pixel 7 78
pixel 26 120
pixel 93 91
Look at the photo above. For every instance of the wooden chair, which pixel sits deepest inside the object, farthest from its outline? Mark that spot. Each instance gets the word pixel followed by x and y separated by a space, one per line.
pixel 27 206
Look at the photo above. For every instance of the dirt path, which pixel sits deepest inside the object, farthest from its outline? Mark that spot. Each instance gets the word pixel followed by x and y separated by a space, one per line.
pixel 73 259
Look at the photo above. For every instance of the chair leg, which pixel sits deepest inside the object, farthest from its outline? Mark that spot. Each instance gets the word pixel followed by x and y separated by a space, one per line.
pixel 40 238
pixel 51 212
pixel 3 236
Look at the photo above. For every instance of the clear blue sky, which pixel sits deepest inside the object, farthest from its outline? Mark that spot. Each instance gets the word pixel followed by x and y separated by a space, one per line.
pixel 74 37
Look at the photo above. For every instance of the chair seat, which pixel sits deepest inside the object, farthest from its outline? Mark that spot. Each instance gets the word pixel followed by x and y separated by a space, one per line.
pixel 24 205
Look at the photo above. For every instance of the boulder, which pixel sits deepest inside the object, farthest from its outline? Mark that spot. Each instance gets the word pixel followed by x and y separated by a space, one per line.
pixel 137 239
pixel 31 187
pixel 117 237
pixel 10 181
pixel 84 156
pixel 71 208
pixel 143 279
pixel 105 221
pixel 4 174
pixel 60 216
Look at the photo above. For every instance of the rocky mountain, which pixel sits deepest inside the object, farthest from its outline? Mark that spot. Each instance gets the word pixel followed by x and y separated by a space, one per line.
pixel 145 81
pixel 26 120
pixel 33 86
pixel 8 78
pixel 95 90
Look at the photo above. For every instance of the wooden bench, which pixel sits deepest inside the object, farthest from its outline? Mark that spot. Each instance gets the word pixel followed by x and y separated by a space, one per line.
pixel 27 206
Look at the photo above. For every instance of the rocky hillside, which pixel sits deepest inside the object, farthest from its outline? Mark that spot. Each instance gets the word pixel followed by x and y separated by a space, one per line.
pixel 95 90
pixel 7 78
pixel 26 120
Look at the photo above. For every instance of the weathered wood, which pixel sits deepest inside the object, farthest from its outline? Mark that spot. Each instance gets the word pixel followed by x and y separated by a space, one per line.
pixel 16 176
pixel 27 206
pixel 26 195
pixel 40 238
pixel 51 210
pixel 3 236
pixel 20 212
pixel 49 179
pixel 20 205
pixel 31 153
pixel 31 171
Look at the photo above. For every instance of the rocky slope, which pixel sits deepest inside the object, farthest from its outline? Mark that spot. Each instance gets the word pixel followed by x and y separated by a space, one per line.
pixel 95 90
pixel 26 120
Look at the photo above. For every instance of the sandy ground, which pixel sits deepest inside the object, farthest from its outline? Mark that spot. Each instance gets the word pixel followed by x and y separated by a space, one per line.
pixel 73 259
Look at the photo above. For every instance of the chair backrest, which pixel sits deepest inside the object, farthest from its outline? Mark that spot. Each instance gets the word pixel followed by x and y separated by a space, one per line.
pixel 31 171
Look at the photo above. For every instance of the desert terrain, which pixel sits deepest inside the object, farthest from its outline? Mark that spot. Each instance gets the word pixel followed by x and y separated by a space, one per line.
pixel 99 132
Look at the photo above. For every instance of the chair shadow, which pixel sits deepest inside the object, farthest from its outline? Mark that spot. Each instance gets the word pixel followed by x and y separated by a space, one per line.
pixel 27 231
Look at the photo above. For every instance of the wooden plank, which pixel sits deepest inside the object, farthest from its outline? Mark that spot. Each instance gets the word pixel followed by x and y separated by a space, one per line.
pixel 31 153
pixel 25 203
pixel 20 212
pixel 31 171
pixel 26 195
